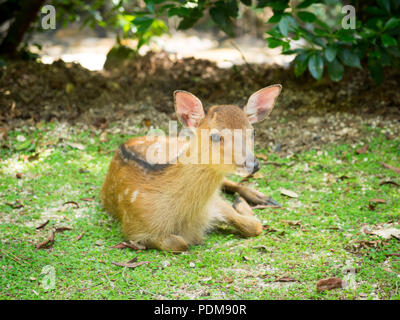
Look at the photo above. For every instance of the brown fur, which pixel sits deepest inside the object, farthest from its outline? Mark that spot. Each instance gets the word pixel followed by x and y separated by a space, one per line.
pixel 174 207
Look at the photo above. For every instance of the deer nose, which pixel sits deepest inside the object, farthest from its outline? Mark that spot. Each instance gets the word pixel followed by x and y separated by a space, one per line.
pixel 252 165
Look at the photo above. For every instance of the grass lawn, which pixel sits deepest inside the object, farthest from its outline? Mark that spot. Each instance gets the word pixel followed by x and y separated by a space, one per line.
pixel 326 232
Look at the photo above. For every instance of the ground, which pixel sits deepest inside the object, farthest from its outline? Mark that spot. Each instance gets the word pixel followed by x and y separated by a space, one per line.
pixel 335 145
pixel 53 172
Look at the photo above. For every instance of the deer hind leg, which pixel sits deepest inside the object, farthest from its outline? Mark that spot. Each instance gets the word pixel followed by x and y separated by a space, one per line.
pixel 250 195
pixel 173 243
pixel 248 225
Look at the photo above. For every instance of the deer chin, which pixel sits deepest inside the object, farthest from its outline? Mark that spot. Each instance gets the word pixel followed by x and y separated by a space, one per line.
pixel 242 171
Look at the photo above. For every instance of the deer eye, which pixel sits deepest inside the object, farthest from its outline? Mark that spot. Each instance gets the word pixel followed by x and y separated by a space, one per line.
pixel 215 137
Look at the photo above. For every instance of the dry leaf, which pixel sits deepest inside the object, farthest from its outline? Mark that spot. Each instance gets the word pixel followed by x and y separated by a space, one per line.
pixel 71 202
pixel 262 156
pixel 389 182
pixel 377 200
pixel 62 229
pixel 292 222
pixel 363 149
pixel 128 245
pixel 130 265
pixel 288 193
pixel 87 199
pixel 16 205
pixel 19 175
pixel 286 279
pixel 79 237
pixel 47 244
pixel 387 233
pixel 76 145
pixel 388 166
pixel 43 225
pixel 329 284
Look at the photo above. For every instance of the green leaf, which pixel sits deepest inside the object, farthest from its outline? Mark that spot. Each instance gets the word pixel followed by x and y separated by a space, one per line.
pixel 316 65
pixel 222 19
pixel 284 26
pixel 392 23
pixel 335 70
pixel 274 42
pixel 349 58
pixel 276 18
pixel 385 4
pixel 388 41
pixel 306 16
pixel 300 64
pixel 330 53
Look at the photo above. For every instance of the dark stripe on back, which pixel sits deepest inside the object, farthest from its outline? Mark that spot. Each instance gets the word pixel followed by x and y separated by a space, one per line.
pixel 130 156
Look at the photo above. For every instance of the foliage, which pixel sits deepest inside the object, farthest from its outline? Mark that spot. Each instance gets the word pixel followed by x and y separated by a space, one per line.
pixel 310 29
pixel 374 42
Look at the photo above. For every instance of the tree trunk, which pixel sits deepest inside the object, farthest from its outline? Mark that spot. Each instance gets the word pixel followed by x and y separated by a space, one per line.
pixel 20 26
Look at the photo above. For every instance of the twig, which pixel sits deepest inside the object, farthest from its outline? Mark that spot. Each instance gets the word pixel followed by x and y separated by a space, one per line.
pixel 13 256
pixel 243 57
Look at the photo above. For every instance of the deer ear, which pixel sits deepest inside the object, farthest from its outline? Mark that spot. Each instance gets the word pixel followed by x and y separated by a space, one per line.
pixel 188 108
pixel 261 103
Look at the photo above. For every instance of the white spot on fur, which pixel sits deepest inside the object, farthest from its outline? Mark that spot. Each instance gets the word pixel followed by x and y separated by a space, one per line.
pixel 126 192
pixel 134 195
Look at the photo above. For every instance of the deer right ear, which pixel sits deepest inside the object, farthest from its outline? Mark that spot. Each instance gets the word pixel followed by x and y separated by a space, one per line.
pixel 188 108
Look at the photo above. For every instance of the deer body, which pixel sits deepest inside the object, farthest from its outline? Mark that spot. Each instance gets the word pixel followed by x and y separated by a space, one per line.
pixel 171 205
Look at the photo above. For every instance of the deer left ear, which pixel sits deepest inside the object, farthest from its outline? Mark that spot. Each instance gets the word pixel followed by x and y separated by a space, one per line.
pixel 261 103
pixel 188 108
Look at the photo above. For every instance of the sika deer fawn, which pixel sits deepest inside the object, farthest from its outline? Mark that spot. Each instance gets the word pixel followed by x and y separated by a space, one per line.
pixel 170 204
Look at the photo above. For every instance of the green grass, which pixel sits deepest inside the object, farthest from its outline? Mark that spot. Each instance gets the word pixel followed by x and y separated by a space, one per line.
pixel 334 185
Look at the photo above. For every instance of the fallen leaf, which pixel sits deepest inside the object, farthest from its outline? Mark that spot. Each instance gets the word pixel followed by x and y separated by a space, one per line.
pixel 87 199
pixel 387 233
pixel 76 145
pixel 16 205
pixel 377 200
pixel 128 245
pixel 99 243
pixel 329 284
pixel 288 193
pixel 79 237
pixel 130 265
pixel 263 206
pixel 286 279
pixel 262 156
pixel 392 255
pixel 47 244
pixel 389 182
pixel 43 225
pixel 103 137
pixel 363 149
pixel 262 248
pixel 71 202
pixel 228 279
pixel 19 175
pixel 33 157
pixel 62 229
pixel 292 222
pixel 101 123
pixel 388 166
pixel 245 258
